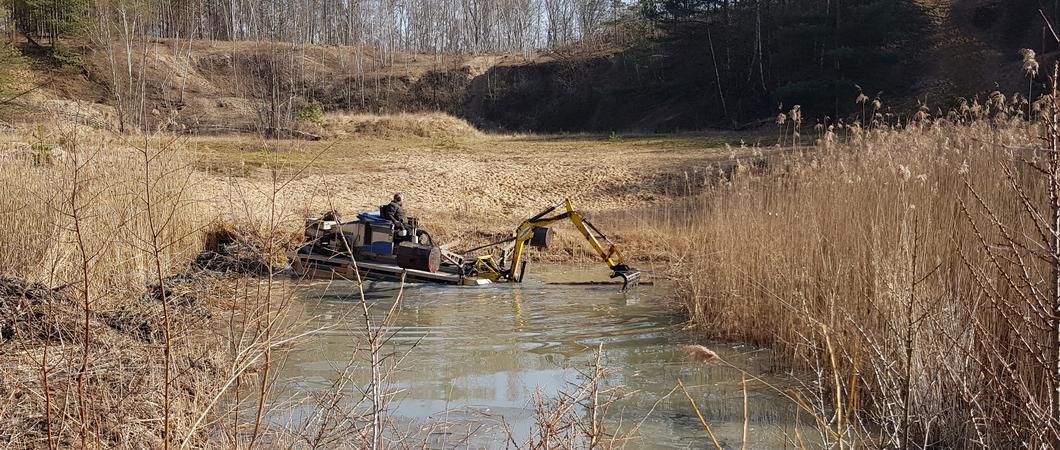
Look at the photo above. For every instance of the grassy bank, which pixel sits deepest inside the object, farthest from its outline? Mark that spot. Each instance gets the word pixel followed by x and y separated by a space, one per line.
pixel 467 187
pixel 904 271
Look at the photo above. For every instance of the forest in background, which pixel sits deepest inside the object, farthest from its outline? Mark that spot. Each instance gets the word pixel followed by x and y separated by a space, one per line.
pixel 587 65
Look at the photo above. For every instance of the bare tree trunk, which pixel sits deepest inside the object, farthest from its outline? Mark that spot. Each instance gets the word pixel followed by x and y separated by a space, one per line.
pixel 1054 285
pixel 717 74
pixel 82 374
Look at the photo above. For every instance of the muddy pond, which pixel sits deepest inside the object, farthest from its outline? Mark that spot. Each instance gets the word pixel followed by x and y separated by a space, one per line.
pixel 475 360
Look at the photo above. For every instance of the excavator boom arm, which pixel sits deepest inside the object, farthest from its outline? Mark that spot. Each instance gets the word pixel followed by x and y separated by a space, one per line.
pixel 611 255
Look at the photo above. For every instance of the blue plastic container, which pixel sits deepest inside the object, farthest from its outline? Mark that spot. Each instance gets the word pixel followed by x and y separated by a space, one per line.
pixel 382 248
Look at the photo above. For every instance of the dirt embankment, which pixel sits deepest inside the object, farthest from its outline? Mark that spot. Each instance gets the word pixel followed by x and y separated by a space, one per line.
pixel 975 47
pixel 614 92
pixel 210 86
pixel 217 87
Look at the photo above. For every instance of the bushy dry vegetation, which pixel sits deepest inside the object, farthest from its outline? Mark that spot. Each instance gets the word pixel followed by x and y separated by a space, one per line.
pixel 106 337
pixel 396 126
pixel 905 270
pixel 67 191
pixel 98 342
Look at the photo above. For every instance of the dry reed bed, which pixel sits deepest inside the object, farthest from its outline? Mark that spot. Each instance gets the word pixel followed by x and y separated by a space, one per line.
pixel 90 226
pixel 873 264
pixel 77 188
pixel 100 345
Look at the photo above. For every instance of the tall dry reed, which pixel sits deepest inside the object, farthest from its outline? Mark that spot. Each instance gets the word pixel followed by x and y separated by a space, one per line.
pixel 874 264
pixel 48 179
pixel 91 228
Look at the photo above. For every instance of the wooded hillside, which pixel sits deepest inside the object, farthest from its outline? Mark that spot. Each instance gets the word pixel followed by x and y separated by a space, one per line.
pixel 541 65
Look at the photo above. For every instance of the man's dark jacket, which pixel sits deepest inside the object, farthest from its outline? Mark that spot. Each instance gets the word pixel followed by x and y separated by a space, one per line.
pixel 394 213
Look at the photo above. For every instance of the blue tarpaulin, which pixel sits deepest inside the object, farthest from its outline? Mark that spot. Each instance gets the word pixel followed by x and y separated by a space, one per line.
pixel 372 217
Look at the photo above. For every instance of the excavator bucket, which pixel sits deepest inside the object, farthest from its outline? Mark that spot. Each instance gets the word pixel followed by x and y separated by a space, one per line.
pixel 630 276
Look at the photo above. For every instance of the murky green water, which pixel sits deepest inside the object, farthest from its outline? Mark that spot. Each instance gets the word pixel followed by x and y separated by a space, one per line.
pixel 477 356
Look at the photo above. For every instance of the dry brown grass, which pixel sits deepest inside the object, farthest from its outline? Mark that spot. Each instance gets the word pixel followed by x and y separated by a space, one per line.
pixel 397 126
pixel 48 179
pixel 102 347
pixel 473 189
pixel 869 263
pixel 110 348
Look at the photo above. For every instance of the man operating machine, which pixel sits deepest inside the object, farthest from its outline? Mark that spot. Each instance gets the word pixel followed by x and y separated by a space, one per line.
pixel 404 226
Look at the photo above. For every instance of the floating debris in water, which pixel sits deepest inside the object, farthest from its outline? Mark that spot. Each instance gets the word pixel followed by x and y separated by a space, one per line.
pixel 701 354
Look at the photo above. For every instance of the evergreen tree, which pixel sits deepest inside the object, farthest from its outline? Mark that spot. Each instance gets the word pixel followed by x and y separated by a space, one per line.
pixel 756 52
pixel 49 19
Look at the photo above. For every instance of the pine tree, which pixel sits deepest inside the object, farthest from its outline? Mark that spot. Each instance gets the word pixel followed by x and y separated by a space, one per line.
pixel 49 19
pixel 766 52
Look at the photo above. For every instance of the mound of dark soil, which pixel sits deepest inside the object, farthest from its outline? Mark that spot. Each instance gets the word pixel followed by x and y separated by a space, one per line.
pixel 123 376
pixel 32 312
pixel 227 252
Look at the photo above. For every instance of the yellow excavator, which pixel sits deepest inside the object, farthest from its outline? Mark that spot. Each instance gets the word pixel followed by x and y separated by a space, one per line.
pixel 535 232
pixel 372 247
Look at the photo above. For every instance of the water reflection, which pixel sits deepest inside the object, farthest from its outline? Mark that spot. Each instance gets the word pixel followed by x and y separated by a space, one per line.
pixel 481 352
